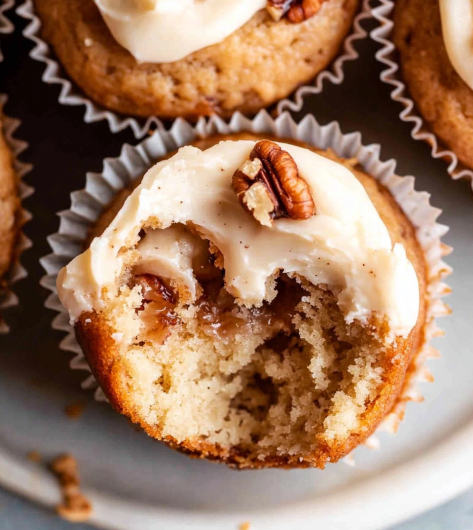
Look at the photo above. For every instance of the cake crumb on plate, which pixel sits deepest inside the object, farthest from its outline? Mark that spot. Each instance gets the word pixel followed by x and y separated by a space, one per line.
pixel 75 410
pixel 75 507
pixel 34 456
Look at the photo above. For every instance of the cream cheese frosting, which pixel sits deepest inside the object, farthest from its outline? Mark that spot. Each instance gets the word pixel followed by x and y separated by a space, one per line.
pixel 172 253
pixel 345 245
pixel 164 31
pixel 457 29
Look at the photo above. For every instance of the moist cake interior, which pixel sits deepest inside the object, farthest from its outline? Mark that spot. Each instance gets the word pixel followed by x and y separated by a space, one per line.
pixel 271 380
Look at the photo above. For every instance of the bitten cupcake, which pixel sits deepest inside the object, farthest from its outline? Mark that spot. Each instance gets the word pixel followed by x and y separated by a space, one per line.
pixel 433 38
pixel 189 58
pixel 253 301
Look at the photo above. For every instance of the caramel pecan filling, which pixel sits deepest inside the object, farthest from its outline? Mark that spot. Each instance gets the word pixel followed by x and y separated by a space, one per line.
pixel 157 308
pixel 218 315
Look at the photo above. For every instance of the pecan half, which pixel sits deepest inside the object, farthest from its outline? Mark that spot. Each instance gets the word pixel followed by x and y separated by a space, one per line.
pixel 296 11
pixel 269 185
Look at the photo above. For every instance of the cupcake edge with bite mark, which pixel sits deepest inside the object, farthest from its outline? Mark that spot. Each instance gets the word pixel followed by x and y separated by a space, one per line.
pixel 238 456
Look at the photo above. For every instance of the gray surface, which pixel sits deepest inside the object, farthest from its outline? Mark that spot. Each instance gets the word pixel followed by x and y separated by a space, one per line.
pixel 58 133
pixel 18 514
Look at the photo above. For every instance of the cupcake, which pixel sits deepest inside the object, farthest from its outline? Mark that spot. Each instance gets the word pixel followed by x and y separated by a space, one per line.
pixel 191 58
pixel 433 39
pixel 253 301
pixel 9 212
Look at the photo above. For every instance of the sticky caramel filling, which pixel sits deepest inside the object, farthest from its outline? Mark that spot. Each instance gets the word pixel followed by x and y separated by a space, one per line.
pixel 219 316
pixel 157 310
pixel 270 380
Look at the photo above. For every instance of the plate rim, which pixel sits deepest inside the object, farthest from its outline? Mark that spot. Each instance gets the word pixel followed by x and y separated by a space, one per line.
pixel 411 488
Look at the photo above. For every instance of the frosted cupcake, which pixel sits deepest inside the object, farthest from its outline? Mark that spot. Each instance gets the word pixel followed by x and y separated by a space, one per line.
pixel 254 302
pixel 186 58
pixel 433 38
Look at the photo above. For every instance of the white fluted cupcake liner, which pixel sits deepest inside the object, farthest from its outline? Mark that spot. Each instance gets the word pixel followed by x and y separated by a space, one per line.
pixel 87 205
pixel 8 298
pixel 334 73
pixel 387 55
pixel 5 25
pixel 72 95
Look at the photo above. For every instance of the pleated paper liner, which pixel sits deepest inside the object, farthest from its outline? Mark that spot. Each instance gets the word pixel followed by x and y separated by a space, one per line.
pixel 7 297
pixel 118 173
pixel 391 75
pixel 335 73
pixel 5 25
pixel 72 95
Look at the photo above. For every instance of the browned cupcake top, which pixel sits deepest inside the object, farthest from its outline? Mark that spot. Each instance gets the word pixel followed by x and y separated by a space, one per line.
pixel 258 64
